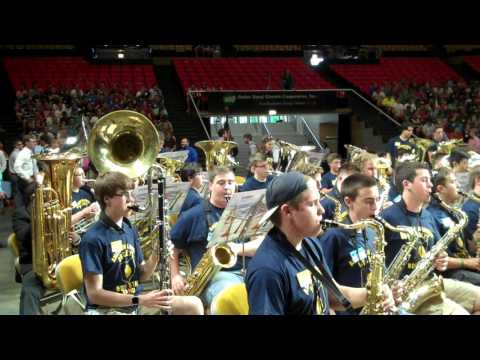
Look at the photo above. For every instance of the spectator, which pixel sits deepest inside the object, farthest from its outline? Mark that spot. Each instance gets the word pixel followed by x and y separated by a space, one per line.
pixel 252 148
pixel 287 80
pixel 192 153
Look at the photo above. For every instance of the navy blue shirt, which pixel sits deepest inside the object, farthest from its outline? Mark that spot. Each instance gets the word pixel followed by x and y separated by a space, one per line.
pixel 191 232
pixel 445 221
pixel 471 208
pixel 395 143
pixel 81 199
pixel 329 205
pixel 113 252
pixel 193 198
pixel 279 284
pixel 347 254
pixel 192 154
pixel 393 194
pixel 253 184
pixel 397 214
pixel 327 180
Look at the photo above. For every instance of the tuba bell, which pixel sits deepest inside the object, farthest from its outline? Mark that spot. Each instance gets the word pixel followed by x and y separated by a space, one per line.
pixel 217 153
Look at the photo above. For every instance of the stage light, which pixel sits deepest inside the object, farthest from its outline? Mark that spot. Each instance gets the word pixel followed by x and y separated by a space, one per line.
pixel 315 60
pixel 272 112
pixel 121 55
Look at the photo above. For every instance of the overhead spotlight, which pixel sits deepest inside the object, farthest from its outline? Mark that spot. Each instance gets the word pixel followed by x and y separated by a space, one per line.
pixel 120 55
pixel 315 60
pixel 272 112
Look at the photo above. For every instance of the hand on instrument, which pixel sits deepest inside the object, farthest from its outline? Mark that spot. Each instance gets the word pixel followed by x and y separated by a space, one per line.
pixel 441 261
pixel 74 238
pixel 388 303
pixel 161 299
pixel 397 292
pixel 178 284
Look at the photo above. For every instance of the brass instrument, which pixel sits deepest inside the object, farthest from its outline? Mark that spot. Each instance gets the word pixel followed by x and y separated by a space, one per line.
pixel 83 225
pixel 395 268
pixel 430 289
pixel 446 147
pixel 414 282
pixel 422 146
pixel 376 276
pixel 124 141
pixel 383 167
pixel 217 257
pixel 337 214
pixel 475 198
pixel 217 153
pixel 52 215
pixel 171 166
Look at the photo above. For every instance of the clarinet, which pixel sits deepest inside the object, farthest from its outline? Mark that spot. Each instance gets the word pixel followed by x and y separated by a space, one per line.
pixel 164 252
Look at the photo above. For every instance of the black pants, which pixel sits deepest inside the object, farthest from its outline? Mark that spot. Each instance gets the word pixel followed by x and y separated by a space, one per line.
pixel 469 276
pixel 21 198
pixel 32 292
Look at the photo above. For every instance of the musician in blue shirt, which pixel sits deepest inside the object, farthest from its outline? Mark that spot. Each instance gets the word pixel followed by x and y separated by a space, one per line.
pixel 113 263
pixel 260 170
pixel 334 162
pixel 413 179
pixel 461 265
pixel 401 142
pixel 278 281
pixel 195 178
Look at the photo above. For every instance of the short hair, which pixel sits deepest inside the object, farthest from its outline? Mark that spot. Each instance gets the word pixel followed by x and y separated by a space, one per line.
pixel 408 171
pixel 257 158
pixel 349 168
pixel 189 172
pixel 437 156
pixel 352 185
pixel 248 136
pixel 29 137
pixel 218 170
pixel 221 132
pixel 440 177
pixel 109 183
pixel 474 175
pixel 457 156
pixel 333 156
pixel 362 158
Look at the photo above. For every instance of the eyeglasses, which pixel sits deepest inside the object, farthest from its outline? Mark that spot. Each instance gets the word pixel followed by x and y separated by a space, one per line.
pixel 127 194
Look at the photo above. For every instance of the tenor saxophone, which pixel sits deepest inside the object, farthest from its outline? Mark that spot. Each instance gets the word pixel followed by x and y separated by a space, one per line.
pixel 414 283
pixel 376 276
pixel 337 214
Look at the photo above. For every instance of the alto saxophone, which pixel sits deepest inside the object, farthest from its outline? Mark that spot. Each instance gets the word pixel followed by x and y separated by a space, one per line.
pixel 337 214
pixel 475 198
pixel 395 268
pixel 377 265
pixel 412 282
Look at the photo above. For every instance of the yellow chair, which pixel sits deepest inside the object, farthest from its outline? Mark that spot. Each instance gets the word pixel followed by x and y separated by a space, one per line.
pixel 239 180
pixel 13 245
pixel 231 301
pixel 70 278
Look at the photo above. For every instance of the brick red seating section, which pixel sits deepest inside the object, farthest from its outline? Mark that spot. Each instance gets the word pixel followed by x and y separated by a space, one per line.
pixel 473 62
pixel 71 71
pixel 419 70
pixel 247 73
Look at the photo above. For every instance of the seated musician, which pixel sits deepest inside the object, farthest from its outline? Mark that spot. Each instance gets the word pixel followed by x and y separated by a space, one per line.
pixel 193 230
pixel 278 281
pixel 83 199
pixel 329 205
pixel 32 287
pixel 413 179
pixel 193 175
pixel 113 263
pixel 260 168
pixel 471 207
pixel 347 252
pixel 461 265
pixel 334 162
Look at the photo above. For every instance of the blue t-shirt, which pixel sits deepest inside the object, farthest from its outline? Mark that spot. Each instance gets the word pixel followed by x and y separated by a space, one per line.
pixel 81 199
pixel 327 180
pixel 113 252
pixel 253 184
pixel 444 222
pixel 395 144
pixel 397 214
pixel 279 284
pixel 193 198
pixel 471 208
pixel 393 194
pixel 192 154
pixel 329 205
pixel 347 254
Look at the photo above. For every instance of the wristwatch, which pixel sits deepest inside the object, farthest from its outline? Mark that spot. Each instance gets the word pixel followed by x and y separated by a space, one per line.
pixel 135 300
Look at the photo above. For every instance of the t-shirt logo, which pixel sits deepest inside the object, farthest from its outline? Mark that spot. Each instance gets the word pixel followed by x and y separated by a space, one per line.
pixel 305 281
pixel 80 203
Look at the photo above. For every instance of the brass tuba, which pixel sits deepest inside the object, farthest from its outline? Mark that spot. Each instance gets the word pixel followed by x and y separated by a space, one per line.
pixel 52 215
pixel 217 153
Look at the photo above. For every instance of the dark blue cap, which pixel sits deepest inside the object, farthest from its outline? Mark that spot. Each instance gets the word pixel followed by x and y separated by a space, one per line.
pixel 282 189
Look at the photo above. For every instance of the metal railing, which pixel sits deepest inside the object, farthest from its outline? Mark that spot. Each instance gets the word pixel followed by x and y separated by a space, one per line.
pixel 198 114
pixel 309 133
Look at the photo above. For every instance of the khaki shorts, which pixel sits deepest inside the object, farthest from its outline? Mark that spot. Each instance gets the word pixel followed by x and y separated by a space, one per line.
pixel 459 299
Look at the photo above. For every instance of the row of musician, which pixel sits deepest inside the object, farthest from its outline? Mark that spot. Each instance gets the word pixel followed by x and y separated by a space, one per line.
pixel 344 250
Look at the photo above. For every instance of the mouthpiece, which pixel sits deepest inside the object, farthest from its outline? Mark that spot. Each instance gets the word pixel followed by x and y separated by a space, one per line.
pixel 136 208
